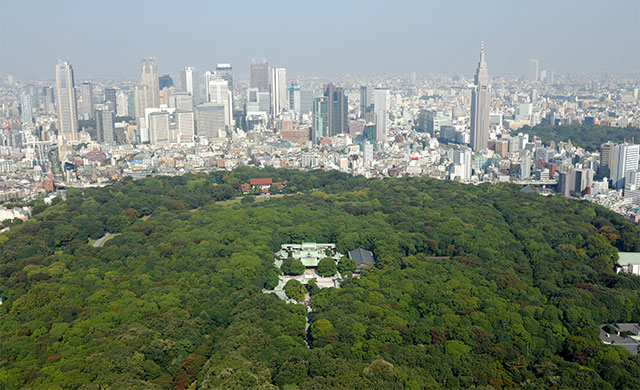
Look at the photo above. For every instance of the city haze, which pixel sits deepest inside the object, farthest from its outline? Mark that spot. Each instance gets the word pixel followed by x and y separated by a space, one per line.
pixel 364 37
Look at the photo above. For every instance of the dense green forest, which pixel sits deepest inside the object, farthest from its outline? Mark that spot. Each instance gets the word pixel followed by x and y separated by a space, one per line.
pixel 588 137
pixel 475 287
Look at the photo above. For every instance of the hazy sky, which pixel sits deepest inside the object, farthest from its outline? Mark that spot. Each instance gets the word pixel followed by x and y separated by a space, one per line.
pixel 109 37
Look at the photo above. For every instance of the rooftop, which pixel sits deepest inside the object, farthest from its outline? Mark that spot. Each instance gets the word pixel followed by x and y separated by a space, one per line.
pixel 629 258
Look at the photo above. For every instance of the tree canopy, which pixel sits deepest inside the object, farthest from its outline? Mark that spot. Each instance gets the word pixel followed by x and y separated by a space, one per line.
pixel 480 287
pixel 589 137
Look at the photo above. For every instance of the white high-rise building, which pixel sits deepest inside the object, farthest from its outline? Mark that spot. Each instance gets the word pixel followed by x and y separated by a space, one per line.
pixel 122 103
pixel 381 105
pixel 462 158
pixel 185 121
pixel 86 96
pixel 191 83
pixel 278 89
pixel 150 79
pixel 159 128
pixel 218 92
pixel 625 159
pixel 66 101
pixel 480 99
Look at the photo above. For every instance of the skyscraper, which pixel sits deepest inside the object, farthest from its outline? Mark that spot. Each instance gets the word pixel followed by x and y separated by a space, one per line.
pixel 366 99
pixel 86 97
pixel 337 109
pixel 260 76
pixel 294 96
pixel 110 96
pixel 105 127
pixel 625 159
pixel 480 97
pixel 26 106
pixel 150 79
pixel 381 103
pixel 210 121
pixel 66 99
pixel 320 124
pixel 225 72
pixel 606 160
pixel 278 89
pixel 165 82
pixel 533 71
pixel 191 83
pixel 48 100
pixel 218 92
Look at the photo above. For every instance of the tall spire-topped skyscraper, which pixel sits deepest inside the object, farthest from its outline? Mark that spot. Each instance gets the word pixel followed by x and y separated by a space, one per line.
pixel 480 99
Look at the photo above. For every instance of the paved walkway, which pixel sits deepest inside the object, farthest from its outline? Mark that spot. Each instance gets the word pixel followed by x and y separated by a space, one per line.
pixel 100 240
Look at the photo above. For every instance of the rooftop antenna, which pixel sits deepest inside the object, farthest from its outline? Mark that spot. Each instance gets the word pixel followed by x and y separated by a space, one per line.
pixel 482 47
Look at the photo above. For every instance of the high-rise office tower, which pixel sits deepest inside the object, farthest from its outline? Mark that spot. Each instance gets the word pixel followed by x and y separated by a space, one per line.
pixel 381 104
pixel 210 121
pixel 165 82
pixel 294 96
pixel 110 97
pixel 183 101
pixel 366 99
pixel 105 126
pixel 208 76
pixel 191 83
pixel 625 159
pixel 48 100
pixel 259 76
pixel 320 123
pixel 141 99
pixel 185 121
pixel 122 103
pixel 225 72
pixel 218 92
pixel 159 127
pixel 66 100
pixel 150 79
pixel 26 107
pixel 480 98
pixel 606 159
pixel 278 89
pixel 338 109
pixel 306 101
pixel 86 96
pixel 533 71
pixel 525 165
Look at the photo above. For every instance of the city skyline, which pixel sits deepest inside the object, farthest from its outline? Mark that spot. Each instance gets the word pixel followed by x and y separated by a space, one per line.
pixel 410 41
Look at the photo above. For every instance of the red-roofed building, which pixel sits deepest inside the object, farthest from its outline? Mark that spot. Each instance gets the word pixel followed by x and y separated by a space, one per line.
pixel 267 181
pixel 264 184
